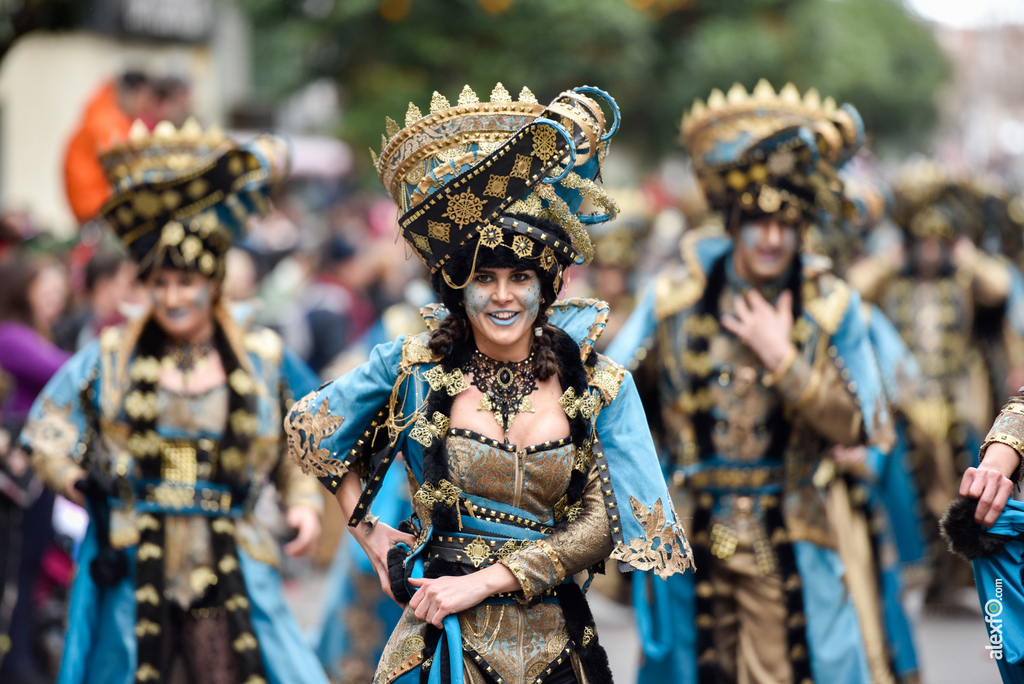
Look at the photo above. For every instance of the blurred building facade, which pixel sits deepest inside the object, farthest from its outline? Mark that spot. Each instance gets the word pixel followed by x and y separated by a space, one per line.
pixel 47 77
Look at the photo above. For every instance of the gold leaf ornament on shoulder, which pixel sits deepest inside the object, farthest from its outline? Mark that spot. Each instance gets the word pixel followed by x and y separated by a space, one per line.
pixel 672 553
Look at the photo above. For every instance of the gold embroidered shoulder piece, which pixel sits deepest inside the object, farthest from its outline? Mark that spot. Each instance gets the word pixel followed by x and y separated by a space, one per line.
pixel 265 343
pixel 826 299
pixel 676 291
pixel 606 376
pixel 415 351
pixel 305 431
pixel 671 556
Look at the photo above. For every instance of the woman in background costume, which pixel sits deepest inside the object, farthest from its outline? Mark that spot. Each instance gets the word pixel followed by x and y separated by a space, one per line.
pixel 526 452
pixel 171 426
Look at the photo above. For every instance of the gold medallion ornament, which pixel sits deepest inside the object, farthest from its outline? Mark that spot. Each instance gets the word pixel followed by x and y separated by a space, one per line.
pixel 506 386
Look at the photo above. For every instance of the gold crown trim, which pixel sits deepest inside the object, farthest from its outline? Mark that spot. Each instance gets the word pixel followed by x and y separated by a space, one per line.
pixel 834 123
pixel 393 141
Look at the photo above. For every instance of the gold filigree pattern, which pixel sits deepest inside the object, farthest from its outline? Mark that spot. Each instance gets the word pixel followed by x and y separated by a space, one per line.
pixel 439 231
pixel 53 432
pixel 422 243
pixel 547 259
pixel 464 208
pixel 671 555
pixel 415 351
pixel 426 432
pixel 522 246
pixel 588 635
pixel 446 493
pixel 245 642
pixel 305 432
pixel 521 169
pixel 146 672
pixel 608 379
pixel 496 185
pixel 571 404
pixel 141 405
pixel 453 383
pixel 477 551
pixel 490 236
pixel 545 142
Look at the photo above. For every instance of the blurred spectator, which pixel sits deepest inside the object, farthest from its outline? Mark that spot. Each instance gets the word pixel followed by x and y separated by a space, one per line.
pixel 335 310
pixel 108 116
pixel 173 95
pixel 32 294
pixel 109 284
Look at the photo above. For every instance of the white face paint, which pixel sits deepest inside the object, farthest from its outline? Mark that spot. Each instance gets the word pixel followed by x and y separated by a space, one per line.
pixel 765 249
pixel 502 305
pixel 182 302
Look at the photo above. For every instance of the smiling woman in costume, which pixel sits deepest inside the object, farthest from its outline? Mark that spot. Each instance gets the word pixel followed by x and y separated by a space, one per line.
pixel 170 428
pixel 527 453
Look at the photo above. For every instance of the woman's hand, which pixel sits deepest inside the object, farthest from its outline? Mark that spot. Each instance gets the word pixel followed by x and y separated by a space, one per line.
pixel 306 521
pixel 989 483
pixel 438 598
pixel 376 541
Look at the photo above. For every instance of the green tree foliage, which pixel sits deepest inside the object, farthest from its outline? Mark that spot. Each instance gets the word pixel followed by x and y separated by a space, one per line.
pixel 654 56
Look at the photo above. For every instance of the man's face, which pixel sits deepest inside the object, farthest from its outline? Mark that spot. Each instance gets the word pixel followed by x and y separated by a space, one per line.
pixel 765 249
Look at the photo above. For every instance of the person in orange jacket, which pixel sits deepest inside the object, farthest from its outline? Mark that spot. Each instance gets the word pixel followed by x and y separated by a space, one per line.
pixel 107 118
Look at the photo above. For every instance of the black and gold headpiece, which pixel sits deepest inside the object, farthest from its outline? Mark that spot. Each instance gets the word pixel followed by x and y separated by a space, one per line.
pixel 472 175
pixel 772 153
pixel 183 196
pixel 933 202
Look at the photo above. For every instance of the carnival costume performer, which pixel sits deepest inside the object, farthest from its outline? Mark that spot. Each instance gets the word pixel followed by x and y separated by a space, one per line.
pixel 527 453
pixel 762 361
pixel 171 427
pixel 941 295
pixel 986 528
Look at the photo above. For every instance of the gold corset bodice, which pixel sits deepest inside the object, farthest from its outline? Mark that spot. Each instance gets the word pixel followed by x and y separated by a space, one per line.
pixel 532 479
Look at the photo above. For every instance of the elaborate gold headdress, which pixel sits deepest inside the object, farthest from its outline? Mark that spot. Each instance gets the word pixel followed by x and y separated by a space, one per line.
pixel 182 196
pixel 457 172
pixel 771 152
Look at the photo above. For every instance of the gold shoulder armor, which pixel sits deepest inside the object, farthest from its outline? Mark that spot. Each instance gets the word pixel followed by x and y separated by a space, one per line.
pixel 265 343
pixel 416 351
pixel 826 299
pixel 606 376
pixel 676 291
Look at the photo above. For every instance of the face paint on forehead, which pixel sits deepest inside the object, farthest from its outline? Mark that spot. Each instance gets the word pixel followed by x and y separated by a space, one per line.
pixel 474 299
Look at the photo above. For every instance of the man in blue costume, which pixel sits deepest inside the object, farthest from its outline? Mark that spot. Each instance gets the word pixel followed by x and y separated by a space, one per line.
pixel 762 362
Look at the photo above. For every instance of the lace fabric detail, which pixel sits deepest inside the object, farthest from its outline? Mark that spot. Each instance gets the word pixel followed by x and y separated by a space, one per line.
pixel 506 386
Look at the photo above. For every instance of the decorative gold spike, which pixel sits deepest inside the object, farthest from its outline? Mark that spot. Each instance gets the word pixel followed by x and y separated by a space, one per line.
pixel 698 108
pixel 737 94
pixel 789 94
pixel 191 130
pixel 390 127
pixel 412 114
pixel 373 156
pixel 763 90
pixel 383 142
pixel 467 96
pixel 165 129
pixel 439 103
pixel 829 105
pixel 812 98
pixel 499 94
pixel 215 132
pixel 716 100
pixel 138 131
pixel 526 96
